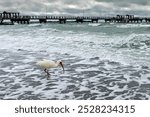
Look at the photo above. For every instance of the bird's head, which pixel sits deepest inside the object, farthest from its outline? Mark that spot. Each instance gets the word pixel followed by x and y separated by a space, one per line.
pixel 60 63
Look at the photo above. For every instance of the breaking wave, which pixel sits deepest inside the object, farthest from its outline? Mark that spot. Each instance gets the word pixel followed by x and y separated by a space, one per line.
pixel 140 41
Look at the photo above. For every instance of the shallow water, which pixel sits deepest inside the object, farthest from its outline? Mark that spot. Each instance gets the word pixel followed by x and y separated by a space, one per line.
pixel 104 61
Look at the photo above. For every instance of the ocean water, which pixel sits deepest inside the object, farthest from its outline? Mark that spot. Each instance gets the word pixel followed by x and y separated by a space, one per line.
pixel 102 61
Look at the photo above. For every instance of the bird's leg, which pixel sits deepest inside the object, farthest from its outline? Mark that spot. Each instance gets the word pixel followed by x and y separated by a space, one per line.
pixel 45 70
pixel 48 74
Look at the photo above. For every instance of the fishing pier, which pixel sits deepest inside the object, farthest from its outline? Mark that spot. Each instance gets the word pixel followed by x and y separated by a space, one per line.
pixel 9 18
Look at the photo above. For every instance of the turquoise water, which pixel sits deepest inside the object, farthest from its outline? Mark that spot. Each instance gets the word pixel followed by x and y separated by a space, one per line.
pixel 102 61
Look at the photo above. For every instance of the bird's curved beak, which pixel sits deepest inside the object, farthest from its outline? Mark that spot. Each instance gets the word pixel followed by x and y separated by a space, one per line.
pixel 62 66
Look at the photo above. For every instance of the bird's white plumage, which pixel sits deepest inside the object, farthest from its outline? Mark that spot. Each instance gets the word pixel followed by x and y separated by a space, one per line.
pixel 47 64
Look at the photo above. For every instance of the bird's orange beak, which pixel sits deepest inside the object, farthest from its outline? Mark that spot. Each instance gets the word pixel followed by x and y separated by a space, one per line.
pixel 62 66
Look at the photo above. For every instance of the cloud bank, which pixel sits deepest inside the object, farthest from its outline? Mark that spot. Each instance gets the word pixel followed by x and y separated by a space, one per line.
pixel 77 7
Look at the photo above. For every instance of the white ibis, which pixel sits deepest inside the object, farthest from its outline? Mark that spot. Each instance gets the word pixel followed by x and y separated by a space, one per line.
pixel 47 64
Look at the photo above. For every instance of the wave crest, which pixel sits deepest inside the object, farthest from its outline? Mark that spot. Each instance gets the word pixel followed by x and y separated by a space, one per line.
pixel 137 42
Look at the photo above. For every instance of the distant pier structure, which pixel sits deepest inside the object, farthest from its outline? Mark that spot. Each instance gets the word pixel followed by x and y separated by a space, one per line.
pixel 126 19
pixel 11 17
pixel 15 17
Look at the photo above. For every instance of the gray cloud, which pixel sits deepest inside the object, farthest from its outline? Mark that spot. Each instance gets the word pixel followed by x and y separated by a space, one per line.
pixel 77 7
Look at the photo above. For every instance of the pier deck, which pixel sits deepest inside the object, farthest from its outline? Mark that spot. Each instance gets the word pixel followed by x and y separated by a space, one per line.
pixel 13 17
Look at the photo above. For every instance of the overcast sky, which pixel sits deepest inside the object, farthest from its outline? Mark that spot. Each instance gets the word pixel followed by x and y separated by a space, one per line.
pixel 77 7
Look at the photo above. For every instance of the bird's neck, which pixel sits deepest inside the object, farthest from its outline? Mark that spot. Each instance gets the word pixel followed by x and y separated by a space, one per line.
pixel 57 64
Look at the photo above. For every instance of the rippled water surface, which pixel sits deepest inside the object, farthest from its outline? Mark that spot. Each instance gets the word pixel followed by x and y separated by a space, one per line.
pixel 104 61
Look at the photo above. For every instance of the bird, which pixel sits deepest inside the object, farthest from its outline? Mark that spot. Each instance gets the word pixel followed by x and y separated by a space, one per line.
pixel 48 64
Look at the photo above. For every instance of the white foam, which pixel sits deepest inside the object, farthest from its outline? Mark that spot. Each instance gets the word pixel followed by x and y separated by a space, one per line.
pixel 35 24
pixel 94 24
pixel 128 25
